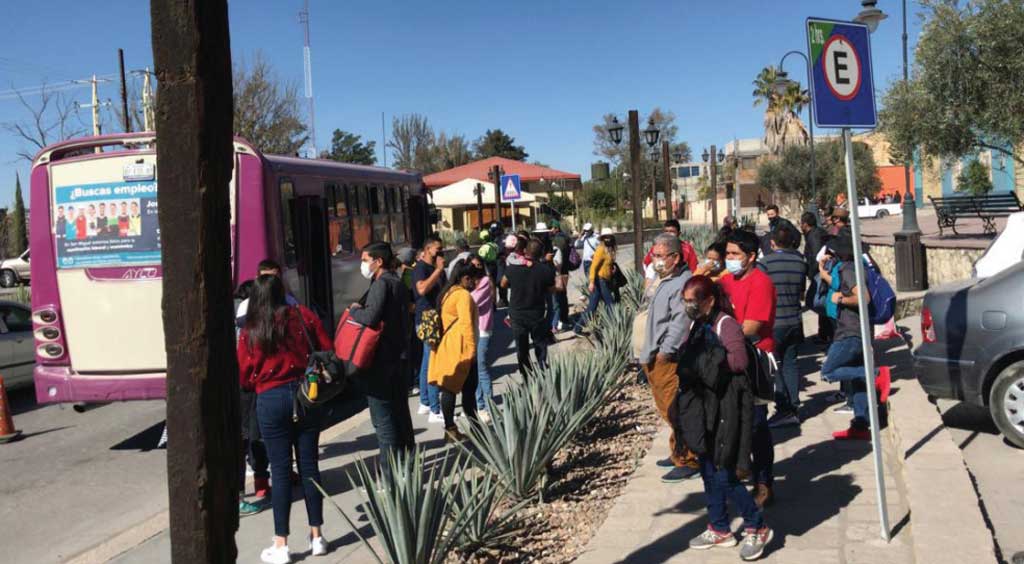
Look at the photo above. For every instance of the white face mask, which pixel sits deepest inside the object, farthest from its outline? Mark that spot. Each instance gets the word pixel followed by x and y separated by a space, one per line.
pixel 364 269
pixel 659 266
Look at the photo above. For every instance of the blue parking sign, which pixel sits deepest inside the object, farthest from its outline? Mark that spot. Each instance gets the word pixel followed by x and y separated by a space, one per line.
pixel 511 189
pixel 842 84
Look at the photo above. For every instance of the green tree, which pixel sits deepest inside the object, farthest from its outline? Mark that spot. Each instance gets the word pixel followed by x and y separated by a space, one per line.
pixel 266 110
pixel 497 143
pixel 348 148
pixel 18 241
pixel 412 140
pixel 789 174
pixel 600 199
pixel 965 93
pixel 562 204
pixel 974 180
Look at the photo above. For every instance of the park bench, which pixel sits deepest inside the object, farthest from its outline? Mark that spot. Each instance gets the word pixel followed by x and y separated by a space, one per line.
pixel 987 207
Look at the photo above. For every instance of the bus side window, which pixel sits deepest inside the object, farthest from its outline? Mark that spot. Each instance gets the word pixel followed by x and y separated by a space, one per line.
pixel 397 220
pixel 362 233
pixel 287 199
pixel 381 225
pixel 334 245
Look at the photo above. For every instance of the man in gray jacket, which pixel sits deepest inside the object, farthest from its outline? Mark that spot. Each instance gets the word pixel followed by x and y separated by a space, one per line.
pixel 665 331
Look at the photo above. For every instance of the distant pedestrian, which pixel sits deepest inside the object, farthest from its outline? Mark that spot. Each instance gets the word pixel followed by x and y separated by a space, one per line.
pixel 428 278
pixel 814 239
pixel 483 297
pixel 386 303
pixel 463 253
pixel 712 376
pixel 787 270
pixel 600 275
pixel 664 333
pixel 587 245
pixel 530 282
pixel 273 351
pixel 559 299
pixel 453 366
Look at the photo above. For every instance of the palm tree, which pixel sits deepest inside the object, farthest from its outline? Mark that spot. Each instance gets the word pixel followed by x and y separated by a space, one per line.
pixel 782 123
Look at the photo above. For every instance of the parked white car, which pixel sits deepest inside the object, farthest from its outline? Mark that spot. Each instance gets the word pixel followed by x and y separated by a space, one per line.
pixel 1004 251
pixel 867 209
pixel 14 271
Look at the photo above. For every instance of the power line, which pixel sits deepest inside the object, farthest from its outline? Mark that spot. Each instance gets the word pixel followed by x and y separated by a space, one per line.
pixel 51 87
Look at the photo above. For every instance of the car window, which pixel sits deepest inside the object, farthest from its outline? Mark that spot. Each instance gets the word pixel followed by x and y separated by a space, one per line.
pixel 26 256
pixel 16 319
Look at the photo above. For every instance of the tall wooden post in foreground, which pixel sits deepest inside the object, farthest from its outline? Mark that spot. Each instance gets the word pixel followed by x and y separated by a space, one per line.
pixel 191 51
pixel 636 196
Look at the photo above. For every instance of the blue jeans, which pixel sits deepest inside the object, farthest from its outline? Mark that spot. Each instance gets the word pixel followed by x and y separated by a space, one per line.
pixel 586 268
pixel 274 409
pixel 428 392
pixel 722 485
pixel 602 293
pixel 389 414
pixel 845 363
pixel 787 379
pixel 483 390
pixel 762 448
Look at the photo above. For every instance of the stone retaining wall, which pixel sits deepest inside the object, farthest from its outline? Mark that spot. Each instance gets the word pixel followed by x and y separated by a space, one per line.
pixel 942 264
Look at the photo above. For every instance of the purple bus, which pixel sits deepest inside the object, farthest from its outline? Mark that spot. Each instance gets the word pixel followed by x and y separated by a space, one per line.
pixel 95 242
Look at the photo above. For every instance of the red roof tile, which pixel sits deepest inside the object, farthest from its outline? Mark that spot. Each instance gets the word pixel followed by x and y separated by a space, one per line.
pixel 479 169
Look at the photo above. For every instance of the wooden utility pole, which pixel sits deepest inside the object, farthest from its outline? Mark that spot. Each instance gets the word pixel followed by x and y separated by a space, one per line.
pixel 479 190
pixel 654 186
pixel 714 187
pixel 637 197
pixel 124 94
pixel 666 168
pixel 192 55
pixel 496 173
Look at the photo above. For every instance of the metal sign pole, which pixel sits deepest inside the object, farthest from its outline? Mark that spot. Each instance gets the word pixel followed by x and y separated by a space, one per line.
pixel 866 336
pixel 513 202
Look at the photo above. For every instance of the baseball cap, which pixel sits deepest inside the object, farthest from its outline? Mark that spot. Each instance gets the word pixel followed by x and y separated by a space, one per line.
pixel 588 226
pixel 541 226
pixel 607 231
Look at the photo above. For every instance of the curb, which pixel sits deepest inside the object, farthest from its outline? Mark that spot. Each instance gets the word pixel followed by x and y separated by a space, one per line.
pixel 945 516
pixel 134 536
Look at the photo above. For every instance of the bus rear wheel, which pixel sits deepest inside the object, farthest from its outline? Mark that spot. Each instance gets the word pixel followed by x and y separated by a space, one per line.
pixel 8 279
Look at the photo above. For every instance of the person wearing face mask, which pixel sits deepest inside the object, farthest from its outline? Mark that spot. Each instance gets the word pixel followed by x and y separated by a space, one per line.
pixel 714 413
pixel 753 296
pixel 714 262
pixel 428 277
pixel 775 222
pixel 453 366
pixel 664 332
pixel 385 384
pixel 688 255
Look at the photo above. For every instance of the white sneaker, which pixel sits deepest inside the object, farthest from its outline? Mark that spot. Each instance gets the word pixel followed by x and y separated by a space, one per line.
pixel 435 418
pixel 318 546
pixel 276 555
pixel 423 410
pixel 483 416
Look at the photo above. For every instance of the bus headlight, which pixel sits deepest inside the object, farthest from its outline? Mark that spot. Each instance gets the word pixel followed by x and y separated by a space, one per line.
pixel 47 334
pixel 50 351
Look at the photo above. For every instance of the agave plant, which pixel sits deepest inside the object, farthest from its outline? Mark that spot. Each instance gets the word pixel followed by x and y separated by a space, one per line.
pixel 523 437
pixel 491 520
pixel 411 508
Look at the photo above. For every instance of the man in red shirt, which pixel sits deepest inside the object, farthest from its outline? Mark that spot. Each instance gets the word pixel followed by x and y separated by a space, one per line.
pixel 753 299
pixel 688 255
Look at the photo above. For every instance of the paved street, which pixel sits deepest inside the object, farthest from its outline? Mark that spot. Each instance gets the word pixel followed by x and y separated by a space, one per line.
pixel 996 467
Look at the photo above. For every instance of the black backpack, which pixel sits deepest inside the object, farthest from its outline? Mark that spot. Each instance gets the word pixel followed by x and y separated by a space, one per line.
pixel 760 376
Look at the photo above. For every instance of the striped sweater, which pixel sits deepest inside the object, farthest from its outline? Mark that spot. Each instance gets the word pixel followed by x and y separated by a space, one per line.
pixel 788 272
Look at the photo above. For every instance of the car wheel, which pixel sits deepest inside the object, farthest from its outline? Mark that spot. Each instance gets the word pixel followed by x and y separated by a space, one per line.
pixel 881 214
pixel 8 279
pixel 1006 403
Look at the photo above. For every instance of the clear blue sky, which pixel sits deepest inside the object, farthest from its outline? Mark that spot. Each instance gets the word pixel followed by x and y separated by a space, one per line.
pixel 542 71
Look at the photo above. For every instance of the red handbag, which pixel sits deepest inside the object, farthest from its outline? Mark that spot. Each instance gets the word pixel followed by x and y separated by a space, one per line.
pixel 355 343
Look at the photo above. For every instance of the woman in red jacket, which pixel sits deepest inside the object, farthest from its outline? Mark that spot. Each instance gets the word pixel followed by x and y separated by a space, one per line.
pixel 273 352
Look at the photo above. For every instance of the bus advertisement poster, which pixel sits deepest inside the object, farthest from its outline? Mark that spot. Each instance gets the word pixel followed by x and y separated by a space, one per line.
pixel 106 225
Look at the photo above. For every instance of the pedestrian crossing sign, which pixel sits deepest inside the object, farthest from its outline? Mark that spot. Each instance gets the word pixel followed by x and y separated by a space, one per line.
pixel 511 189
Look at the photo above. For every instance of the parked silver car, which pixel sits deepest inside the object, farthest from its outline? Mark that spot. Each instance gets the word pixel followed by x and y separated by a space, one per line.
pixel 972 346
pixel 14 271
pixel 17 347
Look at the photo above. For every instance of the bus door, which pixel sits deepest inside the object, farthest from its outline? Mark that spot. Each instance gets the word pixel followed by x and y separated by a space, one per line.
pixel 313 256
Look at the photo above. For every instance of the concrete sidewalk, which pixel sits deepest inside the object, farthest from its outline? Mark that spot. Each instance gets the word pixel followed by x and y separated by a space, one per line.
pixel 825 499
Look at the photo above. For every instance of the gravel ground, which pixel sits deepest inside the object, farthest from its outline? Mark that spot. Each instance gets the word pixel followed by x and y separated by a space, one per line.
pixel 584 481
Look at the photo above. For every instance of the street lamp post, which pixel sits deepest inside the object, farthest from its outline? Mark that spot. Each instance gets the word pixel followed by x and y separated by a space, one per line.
pixel 908 251
pixel 782 83
pixel 713 158
pixel 615 133
pixel 654 181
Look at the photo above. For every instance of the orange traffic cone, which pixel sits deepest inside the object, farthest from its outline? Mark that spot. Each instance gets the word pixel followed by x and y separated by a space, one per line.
pixel 7 431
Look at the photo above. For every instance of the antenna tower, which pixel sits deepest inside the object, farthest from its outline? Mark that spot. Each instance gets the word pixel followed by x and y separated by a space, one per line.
pixel 307 68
